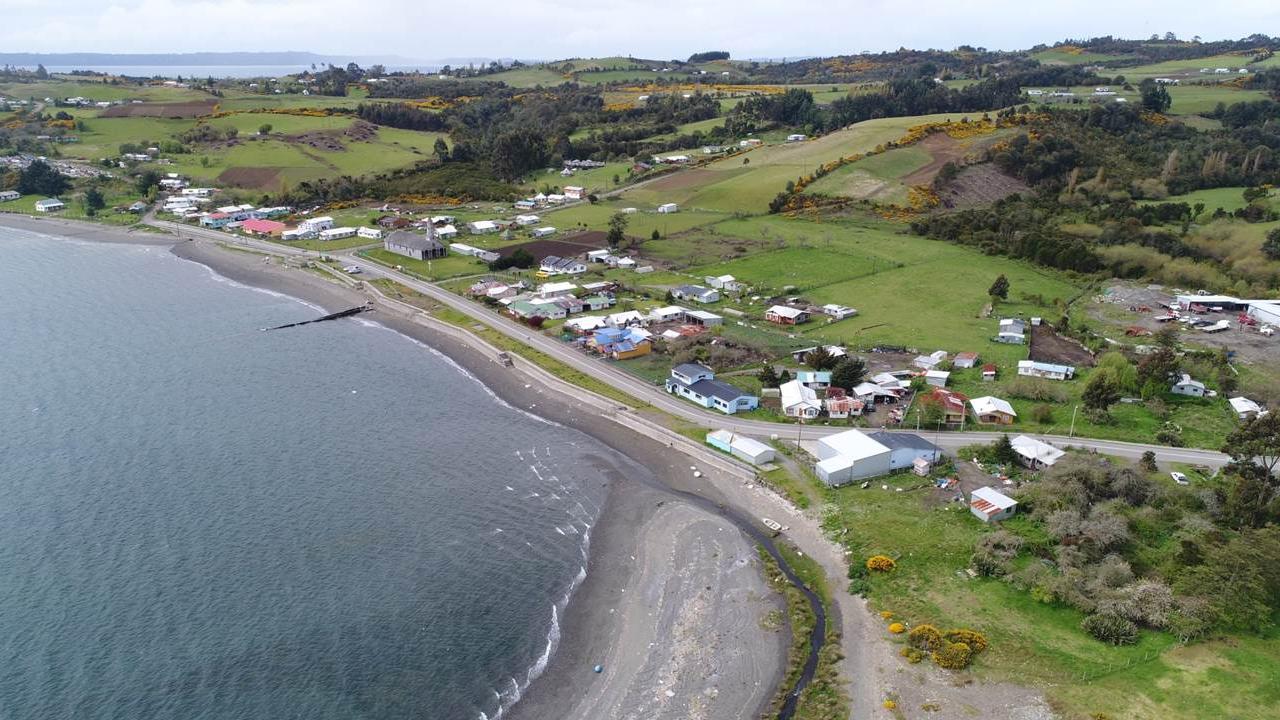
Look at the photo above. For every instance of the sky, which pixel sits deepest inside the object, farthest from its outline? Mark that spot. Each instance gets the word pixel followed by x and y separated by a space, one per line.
pixel 555 29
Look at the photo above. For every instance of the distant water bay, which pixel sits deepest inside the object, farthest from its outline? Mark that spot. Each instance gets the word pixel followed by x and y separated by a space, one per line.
pixel 201 520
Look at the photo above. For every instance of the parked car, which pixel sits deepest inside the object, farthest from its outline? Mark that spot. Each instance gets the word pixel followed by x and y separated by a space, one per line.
pixel 1179 478
pixel 351 269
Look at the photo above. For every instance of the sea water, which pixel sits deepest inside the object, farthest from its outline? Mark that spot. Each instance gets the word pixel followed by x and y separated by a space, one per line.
pixel 199 519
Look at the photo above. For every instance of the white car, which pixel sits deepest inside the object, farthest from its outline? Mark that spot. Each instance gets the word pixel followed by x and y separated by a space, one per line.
pixel 351 269
pixel 1179 478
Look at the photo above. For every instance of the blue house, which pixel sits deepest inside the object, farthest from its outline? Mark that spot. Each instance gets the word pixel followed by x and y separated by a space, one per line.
pixel 697 383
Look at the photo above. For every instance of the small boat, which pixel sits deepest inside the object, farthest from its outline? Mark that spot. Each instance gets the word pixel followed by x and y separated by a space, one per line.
pixel 773 525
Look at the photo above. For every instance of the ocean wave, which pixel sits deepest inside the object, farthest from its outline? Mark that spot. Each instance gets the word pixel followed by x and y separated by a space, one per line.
pixel 466 373
pixel 220 278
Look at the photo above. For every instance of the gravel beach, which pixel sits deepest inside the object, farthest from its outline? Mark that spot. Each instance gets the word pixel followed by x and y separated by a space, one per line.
pixel 674 601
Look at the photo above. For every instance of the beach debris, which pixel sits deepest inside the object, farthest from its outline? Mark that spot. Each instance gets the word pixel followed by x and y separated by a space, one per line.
pixel 697 473
pixel 598 669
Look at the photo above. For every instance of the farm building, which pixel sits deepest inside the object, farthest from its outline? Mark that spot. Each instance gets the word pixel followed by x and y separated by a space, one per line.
pixel 965 360
pixel 803 353
pixel 268 228
pixel 1013 331
pixel 989 371
pixel 784 315
pixel 816 379
pixel 930 361
pixel 796 137
pixel 988 409
pixel 556 265
pixel 1265 311
pixel 937 378
pixel 695 293
pixel 485 255
pixel 50 205
pixel 1032 368
pixel 1245 409
pixel 556 289
pixel 990 505
pixel 544 232
pixel 7 195
pixel 413 245
pixel 741 447
pixel 799 401
pixel 698 384
pixel 724 282
pixel 850 455
pixel 838 312
pixel 906 448
pixel 483 227
pixel 668 208
pixel 1191 388
pixel 1034 453
pixel 703 318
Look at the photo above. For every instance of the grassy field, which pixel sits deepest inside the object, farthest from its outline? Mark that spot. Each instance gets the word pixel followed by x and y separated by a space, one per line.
pixel 1191 98
pixel 1059 56
pixel 1040 644
pixel 98 91
pixel 528 77
pixel 1185 68
pixel 747 182
pixel 1229 199
pixel 875 178
pixel 444 268
pixel 640 224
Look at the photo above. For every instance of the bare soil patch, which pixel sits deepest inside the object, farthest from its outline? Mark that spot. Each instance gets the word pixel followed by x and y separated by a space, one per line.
pixel 326 140
pixel 567 246
pixel 979 185
pixel 942 148
pixel 686 179
pixel 183 110
pixel 250 177
pixel 1048 346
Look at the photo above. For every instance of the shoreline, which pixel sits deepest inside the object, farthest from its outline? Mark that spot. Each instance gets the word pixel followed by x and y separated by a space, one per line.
pixel 870 668
pixel 635 508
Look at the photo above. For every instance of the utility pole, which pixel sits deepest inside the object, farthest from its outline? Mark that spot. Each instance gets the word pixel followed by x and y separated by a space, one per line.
pixel 1074 408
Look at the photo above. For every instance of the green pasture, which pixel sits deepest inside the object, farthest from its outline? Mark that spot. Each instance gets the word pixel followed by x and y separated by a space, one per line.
pixel 875 178
pixel 1058 56
pixel 99 91
pixel 528 77
pixel 1186 68
pixel 1042 644
pixel 639 224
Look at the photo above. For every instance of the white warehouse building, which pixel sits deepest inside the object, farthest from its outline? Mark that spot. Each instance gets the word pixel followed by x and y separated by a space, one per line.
pixel 851 455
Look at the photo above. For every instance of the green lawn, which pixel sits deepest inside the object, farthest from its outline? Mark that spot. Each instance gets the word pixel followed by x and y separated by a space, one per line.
pixel 446 267
pixel 1059 56
pixel 528 77
pixel 1038 644
pixel 99 91
pixel 1185 68
pixel 1229 199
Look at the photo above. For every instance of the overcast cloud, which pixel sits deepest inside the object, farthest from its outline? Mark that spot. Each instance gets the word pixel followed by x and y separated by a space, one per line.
pixel 553 29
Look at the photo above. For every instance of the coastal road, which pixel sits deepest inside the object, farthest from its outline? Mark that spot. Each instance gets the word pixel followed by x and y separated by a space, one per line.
pixel 656 395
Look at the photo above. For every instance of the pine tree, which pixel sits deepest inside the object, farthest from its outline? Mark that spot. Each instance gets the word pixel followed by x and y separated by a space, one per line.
pixel 1000 288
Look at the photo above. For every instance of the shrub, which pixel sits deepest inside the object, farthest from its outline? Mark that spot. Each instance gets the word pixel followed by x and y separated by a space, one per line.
pixel 890 704
pixel 953 656
pixel 976 641
pixel 886 614
pixel 857 571
pixel 897 628
pixel 859 587
pixel 881 563
pixel 925 637
pixel 912 655
pixel 1042 414
pixel 1111 629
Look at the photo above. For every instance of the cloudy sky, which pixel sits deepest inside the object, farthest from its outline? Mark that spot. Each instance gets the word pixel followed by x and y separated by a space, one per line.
pixel 552 29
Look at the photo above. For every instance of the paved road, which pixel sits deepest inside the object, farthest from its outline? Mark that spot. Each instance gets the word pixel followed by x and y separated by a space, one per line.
pixel 657 396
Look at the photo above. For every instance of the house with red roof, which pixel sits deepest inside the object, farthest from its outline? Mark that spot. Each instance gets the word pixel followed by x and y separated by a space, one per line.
pixel 265 228
pixel 953 405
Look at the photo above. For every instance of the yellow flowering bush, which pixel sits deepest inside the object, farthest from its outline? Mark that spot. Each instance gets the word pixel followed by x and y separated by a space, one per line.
pixel 882 563
pixel 897 628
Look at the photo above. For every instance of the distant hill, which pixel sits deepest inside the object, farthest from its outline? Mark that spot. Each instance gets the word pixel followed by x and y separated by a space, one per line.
pixel 196 58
